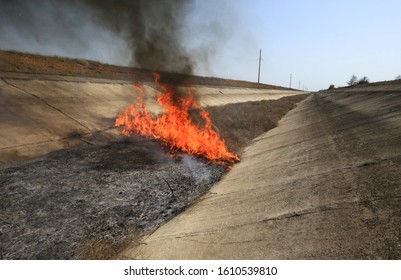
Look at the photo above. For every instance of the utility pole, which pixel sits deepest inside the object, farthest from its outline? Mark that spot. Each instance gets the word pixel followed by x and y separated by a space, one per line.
pixel 290 79
pixel 299 85
pixel 260 59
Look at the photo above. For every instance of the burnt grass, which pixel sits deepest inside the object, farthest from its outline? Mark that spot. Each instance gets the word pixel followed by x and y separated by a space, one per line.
pixel 89 201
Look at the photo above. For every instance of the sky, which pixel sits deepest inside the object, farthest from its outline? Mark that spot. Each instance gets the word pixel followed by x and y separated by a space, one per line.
pixel 318 43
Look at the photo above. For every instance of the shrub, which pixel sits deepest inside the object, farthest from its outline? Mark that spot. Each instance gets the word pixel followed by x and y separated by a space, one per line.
pixel 353 80
pixel 364 80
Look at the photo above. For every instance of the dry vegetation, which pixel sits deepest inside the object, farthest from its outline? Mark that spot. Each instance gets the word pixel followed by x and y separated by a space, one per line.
pixel 240 123
pixel 106 248
pixel 383 85
pixel 11 61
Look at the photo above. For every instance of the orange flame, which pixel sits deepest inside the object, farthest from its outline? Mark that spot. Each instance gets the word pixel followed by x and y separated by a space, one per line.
pixel 174 126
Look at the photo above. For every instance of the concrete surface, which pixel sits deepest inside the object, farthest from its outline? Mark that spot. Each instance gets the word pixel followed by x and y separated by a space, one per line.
pixel 43 113
pixel 324 184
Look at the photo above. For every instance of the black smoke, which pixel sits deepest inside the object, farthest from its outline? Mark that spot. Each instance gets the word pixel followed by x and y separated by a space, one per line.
pixel 153 28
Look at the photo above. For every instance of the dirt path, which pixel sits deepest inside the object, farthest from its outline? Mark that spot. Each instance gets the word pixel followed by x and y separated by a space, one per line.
pixel 324 184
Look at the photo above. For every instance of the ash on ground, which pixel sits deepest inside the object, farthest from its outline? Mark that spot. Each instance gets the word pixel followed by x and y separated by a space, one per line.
pixel 50 207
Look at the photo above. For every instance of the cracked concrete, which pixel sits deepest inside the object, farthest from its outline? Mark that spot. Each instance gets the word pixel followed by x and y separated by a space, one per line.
pixel 324 184
pixel 46 103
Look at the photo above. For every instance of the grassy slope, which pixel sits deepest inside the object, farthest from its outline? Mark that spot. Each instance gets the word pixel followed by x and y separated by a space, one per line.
pixel 382 85
pixel 11 61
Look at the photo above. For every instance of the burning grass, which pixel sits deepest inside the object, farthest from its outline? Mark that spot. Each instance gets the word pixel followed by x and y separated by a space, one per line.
pixel 175 127
pixel 185 126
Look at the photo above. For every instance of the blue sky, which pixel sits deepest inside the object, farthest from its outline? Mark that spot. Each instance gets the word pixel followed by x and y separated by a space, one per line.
pixel 318 42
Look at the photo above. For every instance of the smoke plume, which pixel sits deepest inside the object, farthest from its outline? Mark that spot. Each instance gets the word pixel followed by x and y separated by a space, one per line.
pixel 179 36
pixel 151 27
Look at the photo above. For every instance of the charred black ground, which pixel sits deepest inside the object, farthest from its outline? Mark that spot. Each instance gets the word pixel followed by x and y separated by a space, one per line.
pixel 54 205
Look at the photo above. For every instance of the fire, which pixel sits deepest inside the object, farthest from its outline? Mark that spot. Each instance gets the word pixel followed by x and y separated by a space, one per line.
pixel 174 126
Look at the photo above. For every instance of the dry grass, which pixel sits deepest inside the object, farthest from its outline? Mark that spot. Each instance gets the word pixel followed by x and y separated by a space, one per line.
pixel 102 249
pixel 239 123
pixel 383 85
pixel 11 61
pixel 30 63
pixel 106 248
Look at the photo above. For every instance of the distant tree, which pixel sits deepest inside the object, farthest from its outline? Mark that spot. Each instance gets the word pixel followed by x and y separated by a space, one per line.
pixel 364 80
pixel 398 77
pixel 331 87
pixel 353 80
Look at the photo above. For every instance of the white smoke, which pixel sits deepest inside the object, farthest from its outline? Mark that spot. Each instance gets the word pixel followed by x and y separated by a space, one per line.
pixel 199 173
